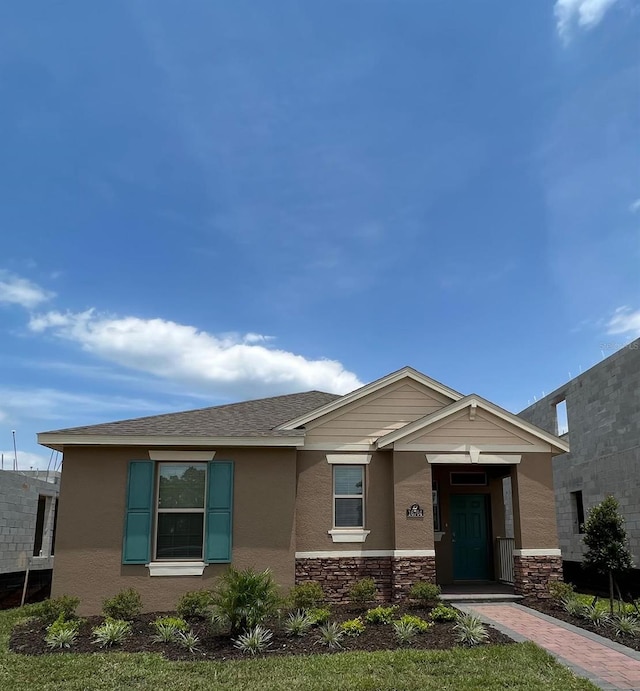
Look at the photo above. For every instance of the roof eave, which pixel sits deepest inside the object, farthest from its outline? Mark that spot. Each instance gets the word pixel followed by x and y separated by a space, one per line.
pixel 58 441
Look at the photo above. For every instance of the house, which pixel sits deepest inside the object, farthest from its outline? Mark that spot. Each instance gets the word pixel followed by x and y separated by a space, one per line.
pixel 400 480
pixel 27 531
pixel 599 412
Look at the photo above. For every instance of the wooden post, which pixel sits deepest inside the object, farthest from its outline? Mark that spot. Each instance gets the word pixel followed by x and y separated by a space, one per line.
pixel 26 581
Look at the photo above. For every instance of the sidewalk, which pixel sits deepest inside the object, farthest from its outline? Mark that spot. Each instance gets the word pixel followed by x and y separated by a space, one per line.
pixel 605 663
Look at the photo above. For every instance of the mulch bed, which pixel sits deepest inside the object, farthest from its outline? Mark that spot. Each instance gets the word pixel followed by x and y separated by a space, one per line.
pixel 28 639
pixel 555 609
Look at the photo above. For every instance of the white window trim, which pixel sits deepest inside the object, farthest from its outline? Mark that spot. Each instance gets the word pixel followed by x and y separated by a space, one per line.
pixel 348 534
pixel 349 458
pixel 176 568
pixel 173 564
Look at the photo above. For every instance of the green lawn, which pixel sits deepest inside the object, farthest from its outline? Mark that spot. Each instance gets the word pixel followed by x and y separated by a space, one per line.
pixel 520 666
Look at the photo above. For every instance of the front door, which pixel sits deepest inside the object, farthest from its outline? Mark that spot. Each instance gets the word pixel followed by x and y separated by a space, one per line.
pixel 469 535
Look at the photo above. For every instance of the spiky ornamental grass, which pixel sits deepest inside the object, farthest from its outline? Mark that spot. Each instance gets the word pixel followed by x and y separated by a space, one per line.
pixel 253 641
pixel 62 633
pixel 470 630
pixel 405 631
pixel 112 632
pixel 298 623
pixel 331 635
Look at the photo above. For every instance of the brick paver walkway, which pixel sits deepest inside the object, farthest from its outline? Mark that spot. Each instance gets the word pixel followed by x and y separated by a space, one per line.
pixel 606 663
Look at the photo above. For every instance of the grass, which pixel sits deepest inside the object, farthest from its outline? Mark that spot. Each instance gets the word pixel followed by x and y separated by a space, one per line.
pixel 522 666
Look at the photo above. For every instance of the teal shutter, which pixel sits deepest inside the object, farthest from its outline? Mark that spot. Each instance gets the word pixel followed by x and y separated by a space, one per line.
pixel 136 547
pixel 219 512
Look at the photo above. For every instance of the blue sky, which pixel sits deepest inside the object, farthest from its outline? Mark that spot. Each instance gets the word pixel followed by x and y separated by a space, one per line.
pixel 209 201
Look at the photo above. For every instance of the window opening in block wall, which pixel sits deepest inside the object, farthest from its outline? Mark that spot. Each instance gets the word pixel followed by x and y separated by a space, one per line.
pixel 562 421
pixel 37 542
pixel 577 511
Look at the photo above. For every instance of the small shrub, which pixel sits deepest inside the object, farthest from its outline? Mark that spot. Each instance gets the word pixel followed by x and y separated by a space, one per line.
pixel 352 627
pixel 331 635
pixel 380 615
pixel 306 595
pixel 244 599
pixel 559 590
pixel 177 622
pixel 425 592
pixel 298 623
pixel 126 605
pixel 188 640
pixel 52 609
pixel 405 631
pixel 626 625
pixel 470 630
pixel 195 604
pixel 420 625
pixel 255 640
pixel 112 632
pixel 62 633
pixel 362 591
pixel 443 613
pixel 320 615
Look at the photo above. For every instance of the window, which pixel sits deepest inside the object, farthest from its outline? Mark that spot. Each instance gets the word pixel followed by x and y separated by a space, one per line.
pixel 577 511
pixel 178 515
pixel 348 492
pixel 181 509
pixel 436 507
pixel 562 420
pixel 37 542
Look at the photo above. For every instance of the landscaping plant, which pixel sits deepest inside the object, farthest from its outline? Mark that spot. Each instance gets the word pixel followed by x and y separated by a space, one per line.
pixel 352 627
pixel 331 635
pixel 245 598
pixel 405 631
pixel 425 593
pixel 298 623
pixel 607 546
pixel 195 604
pixel 419 624
pixel 52 609
pixel 470 630
pixel 626 625
pixel 127 604
pixel 380 615
pixel 306 595
pixel 320 615
pixel 62 633
pixel 112 632
pixel 443 613
pixel 363 591
pixel 168 629
pixel 255 640
pixel 188 640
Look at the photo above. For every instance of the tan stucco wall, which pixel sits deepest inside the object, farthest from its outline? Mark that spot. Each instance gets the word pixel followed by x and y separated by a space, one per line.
pixel 90 523
pixel 412 485
pixel 533 503
pixel 314 504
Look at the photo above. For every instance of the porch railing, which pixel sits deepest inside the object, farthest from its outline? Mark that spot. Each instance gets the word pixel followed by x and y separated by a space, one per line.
pixel 506 546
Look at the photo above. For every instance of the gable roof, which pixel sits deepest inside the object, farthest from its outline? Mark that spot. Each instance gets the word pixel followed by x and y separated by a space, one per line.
pixel 258 419
pixel 471 401
pixel 339 402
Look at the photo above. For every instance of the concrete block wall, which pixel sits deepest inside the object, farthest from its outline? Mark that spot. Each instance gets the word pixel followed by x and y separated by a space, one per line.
pixel 603 411
pixel 18 512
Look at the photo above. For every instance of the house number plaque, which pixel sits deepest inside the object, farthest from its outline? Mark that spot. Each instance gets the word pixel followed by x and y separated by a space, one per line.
pixel 414 511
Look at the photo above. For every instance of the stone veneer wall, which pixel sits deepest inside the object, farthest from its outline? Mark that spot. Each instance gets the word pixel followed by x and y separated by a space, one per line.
pixel 393 575
pixel 533 575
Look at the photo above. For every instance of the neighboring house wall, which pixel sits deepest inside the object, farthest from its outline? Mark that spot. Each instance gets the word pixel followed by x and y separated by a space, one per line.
pixel 603 410
pixel 19 494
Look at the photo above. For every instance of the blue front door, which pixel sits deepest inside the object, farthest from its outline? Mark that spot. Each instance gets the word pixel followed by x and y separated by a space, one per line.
pixel 470 537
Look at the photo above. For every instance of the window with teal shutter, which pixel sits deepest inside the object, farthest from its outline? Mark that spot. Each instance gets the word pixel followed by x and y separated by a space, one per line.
pixel 137 527
pixel 219 512
pixel 174 507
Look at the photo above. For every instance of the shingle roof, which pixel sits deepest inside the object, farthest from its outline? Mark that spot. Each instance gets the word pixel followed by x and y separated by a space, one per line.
pixel 256 418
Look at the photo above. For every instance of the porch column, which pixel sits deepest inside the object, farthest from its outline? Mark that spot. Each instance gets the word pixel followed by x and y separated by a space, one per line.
pixel 537 558
pixel 414 554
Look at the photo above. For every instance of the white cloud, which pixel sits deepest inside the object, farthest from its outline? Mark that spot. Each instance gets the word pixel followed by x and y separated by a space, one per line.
pixel 20 291
pixel 26 460
pixel 586 13
pixel 230 364
pixel 634 206
pixel 625 321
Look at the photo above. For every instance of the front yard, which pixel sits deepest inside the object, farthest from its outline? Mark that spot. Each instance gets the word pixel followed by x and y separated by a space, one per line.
pixel 514 666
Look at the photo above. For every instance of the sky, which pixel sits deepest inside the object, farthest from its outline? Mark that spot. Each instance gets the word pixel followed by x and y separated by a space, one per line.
pixel 207 202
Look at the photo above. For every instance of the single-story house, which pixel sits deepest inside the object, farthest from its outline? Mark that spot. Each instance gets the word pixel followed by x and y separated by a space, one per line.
pixel 400 480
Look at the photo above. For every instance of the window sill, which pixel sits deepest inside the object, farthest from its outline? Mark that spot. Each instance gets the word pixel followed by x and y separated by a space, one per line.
pixel 176 568
pixel 348 535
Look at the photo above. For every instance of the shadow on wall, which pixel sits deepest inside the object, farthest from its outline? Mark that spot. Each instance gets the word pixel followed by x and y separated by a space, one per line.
pixel 590 582
pixel 11 585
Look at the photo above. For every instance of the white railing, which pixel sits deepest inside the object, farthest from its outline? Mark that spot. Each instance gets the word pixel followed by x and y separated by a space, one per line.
pixel 506 546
